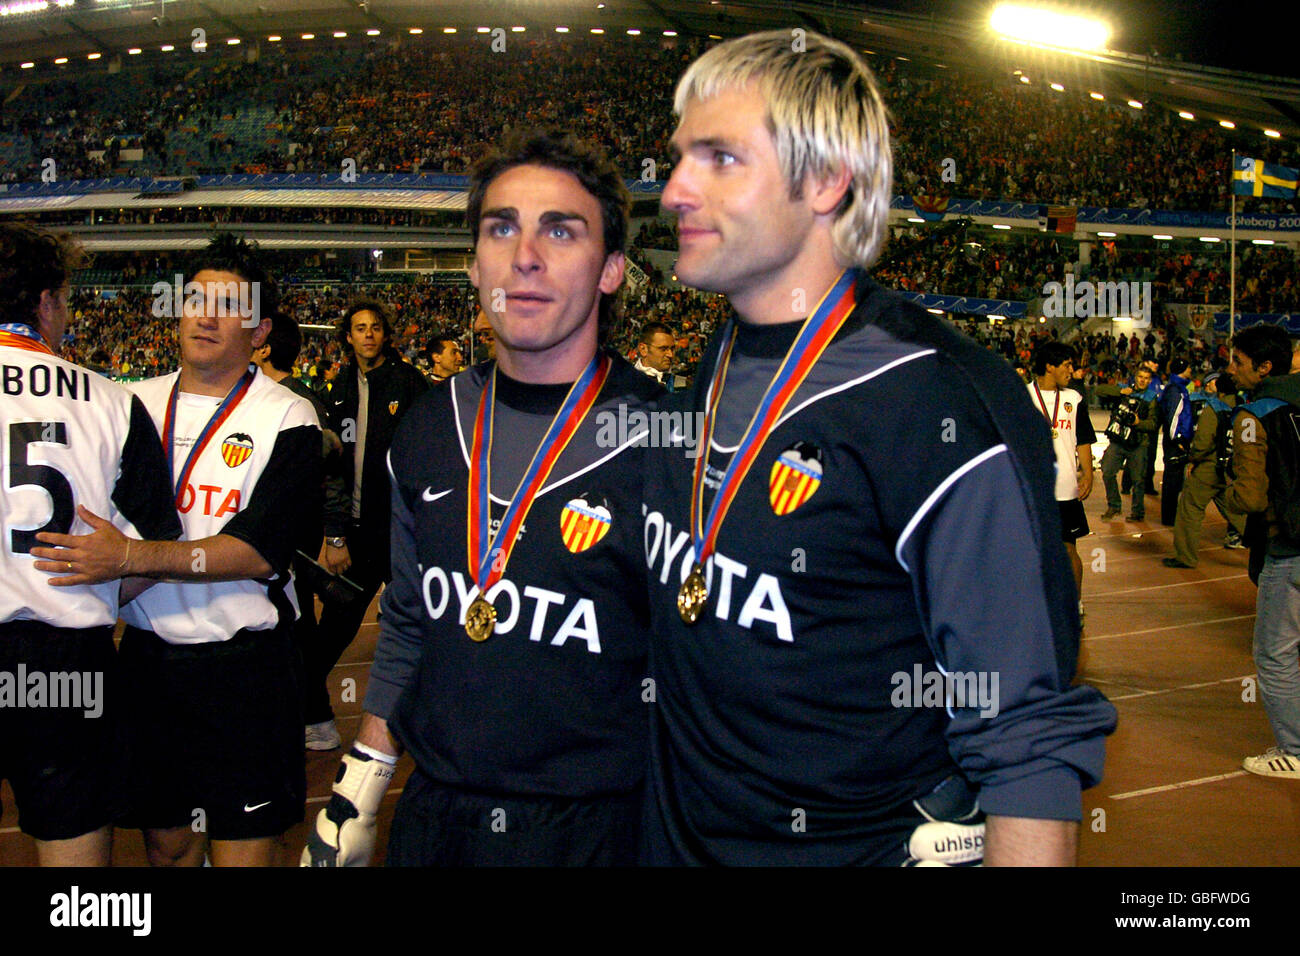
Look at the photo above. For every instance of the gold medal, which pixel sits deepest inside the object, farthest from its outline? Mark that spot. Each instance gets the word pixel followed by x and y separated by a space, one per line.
pixel 480 619
pixel 488 553
pixel 692 597
pixel 814 337
pixel 1055 434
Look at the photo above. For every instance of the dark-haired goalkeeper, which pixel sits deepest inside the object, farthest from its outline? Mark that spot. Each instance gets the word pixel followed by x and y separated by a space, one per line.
pixel 511 661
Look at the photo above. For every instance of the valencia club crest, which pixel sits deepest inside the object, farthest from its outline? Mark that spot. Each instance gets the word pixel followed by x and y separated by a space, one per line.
pixel 583 524
pixel 796 476
pixel 236 449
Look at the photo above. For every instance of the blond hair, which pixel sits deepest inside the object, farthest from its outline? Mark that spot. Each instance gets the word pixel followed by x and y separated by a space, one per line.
pixel 824 111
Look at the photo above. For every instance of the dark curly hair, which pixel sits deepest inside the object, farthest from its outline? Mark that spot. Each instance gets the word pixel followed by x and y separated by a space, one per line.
pixel 1265 343
pixel 33 261
pixel 366 305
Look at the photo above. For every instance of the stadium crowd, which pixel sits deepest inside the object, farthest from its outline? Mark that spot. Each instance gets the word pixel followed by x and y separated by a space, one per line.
pixel 422 106
pixel 117 330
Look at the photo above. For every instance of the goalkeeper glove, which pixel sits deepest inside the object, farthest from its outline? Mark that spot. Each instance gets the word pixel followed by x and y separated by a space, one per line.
pixel 953 834
pixel 344 834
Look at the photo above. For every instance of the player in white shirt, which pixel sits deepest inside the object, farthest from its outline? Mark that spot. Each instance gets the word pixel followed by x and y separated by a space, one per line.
pixel 67 437
pixel 1072 437
pixel 213 637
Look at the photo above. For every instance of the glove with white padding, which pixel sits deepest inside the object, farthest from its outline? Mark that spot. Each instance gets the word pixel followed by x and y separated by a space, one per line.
pixel 953 834
pixel 344 834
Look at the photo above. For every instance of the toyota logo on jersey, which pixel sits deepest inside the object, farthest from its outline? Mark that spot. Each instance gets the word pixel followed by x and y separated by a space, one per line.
pixel 796 476
pixel 583 525
pixel 236 448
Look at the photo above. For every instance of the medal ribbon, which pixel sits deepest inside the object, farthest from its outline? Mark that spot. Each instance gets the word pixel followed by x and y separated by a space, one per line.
pixel 816 334
pixel 19 336
pixel 481 544
pixel 224 410
pixel 1056 407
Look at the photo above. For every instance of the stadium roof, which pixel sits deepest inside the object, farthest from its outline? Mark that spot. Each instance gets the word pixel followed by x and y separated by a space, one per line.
pixel 952 35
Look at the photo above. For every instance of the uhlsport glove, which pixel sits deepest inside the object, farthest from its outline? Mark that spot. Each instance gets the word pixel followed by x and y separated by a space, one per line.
pixel 344 834
pixel 953 834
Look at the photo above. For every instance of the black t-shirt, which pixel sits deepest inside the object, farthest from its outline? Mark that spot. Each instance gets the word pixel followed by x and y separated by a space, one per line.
pixel 883 535
pixel 553 703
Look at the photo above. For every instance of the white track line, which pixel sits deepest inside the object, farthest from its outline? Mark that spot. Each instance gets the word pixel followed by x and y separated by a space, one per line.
pixel 1149 557
pixel 1174 690
pixel 1129 534
pixel 1098 680
pixel 1159 587
pixel 1170 627
pixel 1178 786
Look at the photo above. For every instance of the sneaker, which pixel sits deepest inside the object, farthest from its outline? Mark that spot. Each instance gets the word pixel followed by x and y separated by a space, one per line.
pixel 1175 563
pixel 323 736
pixel 1136 517
pixel 1109 513
pixel 1233 541
pixel 1274 763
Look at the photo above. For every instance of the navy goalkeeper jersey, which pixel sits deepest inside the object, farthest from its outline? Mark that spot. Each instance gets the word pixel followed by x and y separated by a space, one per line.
pixel 898 524
pixel 553 703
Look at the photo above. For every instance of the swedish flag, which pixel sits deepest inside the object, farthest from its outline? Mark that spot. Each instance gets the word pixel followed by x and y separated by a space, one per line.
pixel 1254 177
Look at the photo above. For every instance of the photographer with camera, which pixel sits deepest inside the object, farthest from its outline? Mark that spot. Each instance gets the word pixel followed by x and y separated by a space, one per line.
pixel 1130 426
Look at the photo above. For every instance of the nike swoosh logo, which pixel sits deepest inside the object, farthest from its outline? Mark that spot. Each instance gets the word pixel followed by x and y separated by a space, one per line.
pixel 428 495
pixel 248 809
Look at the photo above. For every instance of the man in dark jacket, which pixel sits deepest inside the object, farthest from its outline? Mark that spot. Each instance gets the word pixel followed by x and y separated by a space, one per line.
pixel 1206 480
pixel 370 395
pixel 1262 455
pixel 1178 424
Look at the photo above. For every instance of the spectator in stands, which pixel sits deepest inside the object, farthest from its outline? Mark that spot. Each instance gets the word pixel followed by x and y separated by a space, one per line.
pixel 445 358
pixel 655 353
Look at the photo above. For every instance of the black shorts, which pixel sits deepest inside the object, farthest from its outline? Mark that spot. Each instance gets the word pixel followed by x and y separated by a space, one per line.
pixel 66 756
pixel 435 825
pixel 1074 523
pixel 216 734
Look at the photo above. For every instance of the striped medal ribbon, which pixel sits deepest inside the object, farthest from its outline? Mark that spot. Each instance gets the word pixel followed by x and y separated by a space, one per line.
pixel 814 336
pixel 224 411
pixel 488 554
pixel 19 336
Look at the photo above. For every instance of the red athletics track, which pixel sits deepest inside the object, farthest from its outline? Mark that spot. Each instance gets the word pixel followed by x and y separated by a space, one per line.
pixel 1170 647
